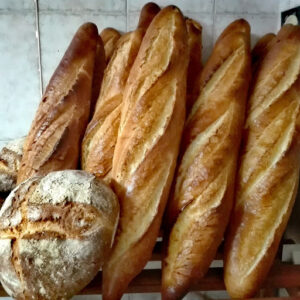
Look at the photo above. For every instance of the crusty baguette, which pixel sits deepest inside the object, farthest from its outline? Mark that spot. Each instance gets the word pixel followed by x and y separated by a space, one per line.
pixel 102 132
pixel 269 172
pixel 148 12
pixel 260 50
pixel 147 147
pixel 110 37
pixel 201 201
pixel 194 31
pixel 53 142
pixel 99 67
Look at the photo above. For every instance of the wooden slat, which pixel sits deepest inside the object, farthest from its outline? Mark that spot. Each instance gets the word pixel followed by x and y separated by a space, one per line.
pixel 281 276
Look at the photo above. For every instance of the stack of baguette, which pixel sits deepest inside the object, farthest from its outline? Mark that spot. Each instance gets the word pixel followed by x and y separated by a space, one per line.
pixel 205 148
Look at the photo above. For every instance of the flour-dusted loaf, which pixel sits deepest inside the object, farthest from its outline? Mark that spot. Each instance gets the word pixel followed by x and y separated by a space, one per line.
pixel 110 37
pixel 268 176
pixel 55 233
pixel 194 31
pixel 145 156
pixel 53 142
pixel 10 159
pixel 101 135
pixel 201 201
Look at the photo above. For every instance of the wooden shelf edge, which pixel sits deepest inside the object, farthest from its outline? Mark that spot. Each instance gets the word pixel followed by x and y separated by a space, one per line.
pixel 148 281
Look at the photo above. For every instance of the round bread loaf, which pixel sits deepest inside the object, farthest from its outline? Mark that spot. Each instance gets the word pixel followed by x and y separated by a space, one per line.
pixel 10 158
pixel 55 233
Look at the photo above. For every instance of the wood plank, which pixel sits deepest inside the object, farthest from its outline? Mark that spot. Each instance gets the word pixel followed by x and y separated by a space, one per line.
pixel 281 276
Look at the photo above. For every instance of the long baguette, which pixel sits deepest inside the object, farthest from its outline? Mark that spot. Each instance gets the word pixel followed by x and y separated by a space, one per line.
pixel 110 37
pixel 269 172
pixel 102 132
pixel 147 147
pixel 53 142
pixel 201 201
pixel 98 73
pixel 262 47
pixel 194 31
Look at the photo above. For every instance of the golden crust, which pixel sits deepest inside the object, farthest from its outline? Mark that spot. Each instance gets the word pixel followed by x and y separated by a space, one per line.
pixel 201 200
pixel 269 171
pixel 101 135
pixel 148 12
pixel 194 31
pixel 110 37
pixel 54 243
pixel 262 47
pixel 54 139
pixel 102 132
pixel 147 147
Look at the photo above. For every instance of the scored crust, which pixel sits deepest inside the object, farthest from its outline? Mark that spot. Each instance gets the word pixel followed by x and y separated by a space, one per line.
pixel 55 233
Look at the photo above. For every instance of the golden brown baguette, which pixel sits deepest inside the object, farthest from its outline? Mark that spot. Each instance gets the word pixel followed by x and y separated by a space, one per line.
pixel 99 67
pixel 268 176
pixel 53 142
pixel 148 12
pixel 260 50
pixel 194 31
pixel 110 37
pixel 151 123
pixel 202 196
pixel 102 132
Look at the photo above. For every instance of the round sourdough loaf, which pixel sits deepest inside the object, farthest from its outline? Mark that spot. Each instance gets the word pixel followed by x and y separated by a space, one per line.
pixel 10 159
pixel 55 233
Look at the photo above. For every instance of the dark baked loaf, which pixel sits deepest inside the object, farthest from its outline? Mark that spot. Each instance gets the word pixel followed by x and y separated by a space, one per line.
pixel 53 142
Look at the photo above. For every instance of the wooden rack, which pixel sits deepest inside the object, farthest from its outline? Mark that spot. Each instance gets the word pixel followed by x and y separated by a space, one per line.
pixel 282 275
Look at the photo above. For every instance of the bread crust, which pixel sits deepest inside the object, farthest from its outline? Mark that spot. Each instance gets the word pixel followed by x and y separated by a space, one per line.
pixel 101 134
pixel 194 31
pixel 261 48
pixel 53 142
pixel 100 138
pixel 269 172
pixel 110 37
pixel 55 233
pixel 202 195
pixel 151 123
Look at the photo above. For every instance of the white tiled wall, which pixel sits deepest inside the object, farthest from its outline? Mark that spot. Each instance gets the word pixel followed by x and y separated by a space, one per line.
pixel 22 82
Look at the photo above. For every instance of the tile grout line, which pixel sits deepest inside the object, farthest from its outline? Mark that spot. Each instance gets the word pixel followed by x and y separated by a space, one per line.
pixel 126 12
pixel 214 21
pixel 37 32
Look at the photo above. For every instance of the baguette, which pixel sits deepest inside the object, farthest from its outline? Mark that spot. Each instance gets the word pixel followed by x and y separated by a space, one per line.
pixel 110 37
pixel 98 72
pixel 202 196
pixel 145 156
pixel 53 141
pixel 268 176
pixel 261 49
pixel 102 132
pixel 194 31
